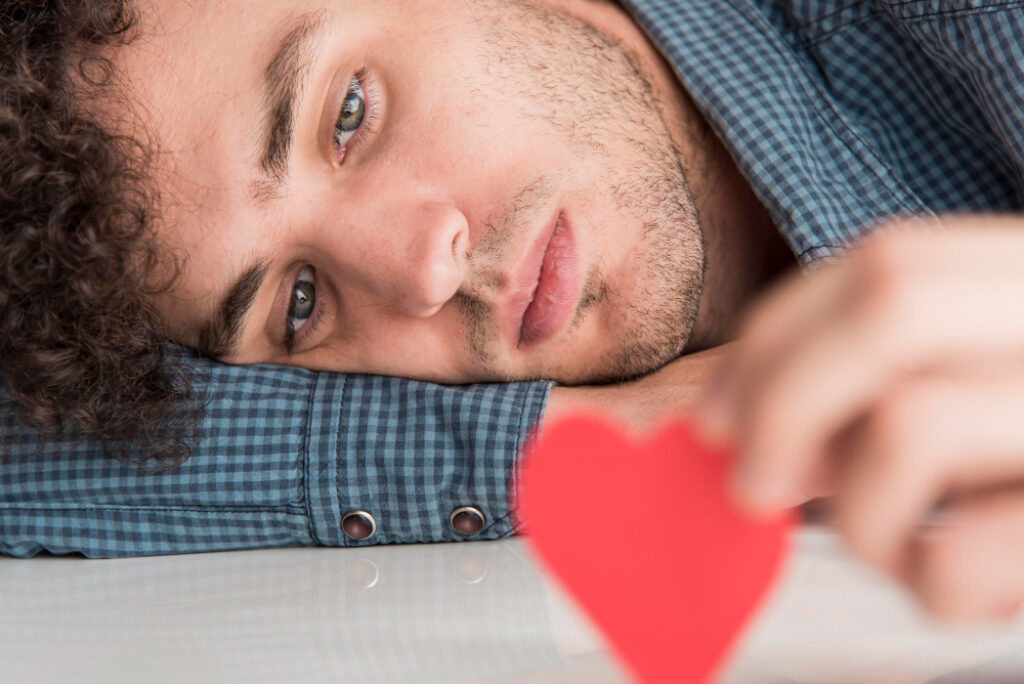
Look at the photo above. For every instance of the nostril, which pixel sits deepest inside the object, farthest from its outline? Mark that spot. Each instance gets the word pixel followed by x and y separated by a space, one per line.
pixel 460 245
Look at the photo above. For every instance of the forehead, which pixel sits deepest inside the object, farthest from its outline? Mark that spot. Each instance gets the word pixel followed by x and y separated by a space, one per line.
pixel 197 65
pixel 195 77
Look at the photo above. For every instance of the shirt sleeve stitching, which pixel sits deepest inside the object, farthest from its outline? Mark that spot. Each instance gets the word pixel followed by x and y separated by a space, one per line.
pixel 524 436
pixel 205 510
pixel 910 16
pixel 336 455
pixel 306 458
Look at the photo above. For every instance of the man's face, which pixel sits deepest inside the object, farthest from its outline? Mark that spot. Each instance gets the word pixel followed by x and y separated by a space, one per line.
pixel 446 190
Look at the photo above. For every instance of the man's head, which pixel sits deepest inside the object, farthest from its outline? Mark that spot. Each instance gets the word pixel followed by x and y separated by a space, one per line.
pixel 437 189
pixel 374 186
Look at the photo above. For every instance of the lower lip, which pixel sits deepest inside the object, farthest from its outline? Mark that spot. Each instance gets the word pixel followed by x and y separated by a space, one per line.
pixel 557 291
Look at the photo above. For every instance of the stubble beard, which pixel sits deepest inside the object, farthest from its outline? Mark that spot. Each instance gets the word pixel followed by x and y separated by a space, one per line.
pixel 600 103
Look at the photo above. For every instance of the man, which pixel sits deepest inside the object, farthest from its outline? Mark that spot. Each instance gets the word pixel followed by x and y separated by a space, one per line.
pixel 480 191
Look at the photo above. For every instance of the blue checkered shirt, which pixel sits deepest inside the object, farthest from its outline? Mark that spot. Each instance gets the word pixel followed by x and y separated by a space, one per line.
pixel 839 113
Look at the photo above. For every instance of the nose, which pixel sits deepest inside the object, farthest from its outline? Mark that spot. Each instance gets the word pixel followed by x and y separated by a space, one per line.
pixel 421 255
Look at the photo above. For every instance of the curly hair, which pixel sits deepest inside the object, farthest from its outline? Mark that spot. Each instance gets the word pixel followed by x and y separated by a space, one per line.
pixel 82 351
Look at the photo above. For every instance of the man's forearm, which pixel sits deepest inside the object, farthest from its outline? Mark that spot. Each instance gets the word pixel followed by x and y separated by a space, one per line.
pixel 642 403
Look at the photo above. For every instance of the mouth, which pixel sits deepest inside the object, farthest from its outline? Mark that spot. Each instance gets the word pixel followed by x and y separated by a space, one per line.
pixel 548 287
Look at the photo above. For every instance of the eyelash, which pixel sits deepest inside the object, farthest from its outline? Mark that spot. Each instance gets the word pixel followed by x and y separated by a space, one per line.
pixel 310 325
pixel 371 115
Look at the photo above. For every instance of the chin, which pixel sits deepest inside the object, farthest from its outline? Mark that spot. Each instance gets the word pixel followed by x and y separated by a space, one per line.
pixel 636 355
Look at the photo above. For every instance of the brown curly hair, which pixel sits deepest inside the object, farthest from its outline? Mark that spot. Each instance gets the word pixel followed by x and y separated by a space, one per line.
pixel 81 351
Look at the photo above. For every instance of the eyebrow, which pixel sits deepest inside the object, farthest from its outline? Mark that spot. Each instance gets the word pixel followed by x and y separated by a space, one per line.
pixel 284 82
pixel 218 336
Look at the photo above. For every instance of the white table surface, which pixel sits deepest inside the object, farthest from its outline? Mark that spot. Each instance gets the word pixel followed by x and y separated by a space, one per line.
pixel 477 612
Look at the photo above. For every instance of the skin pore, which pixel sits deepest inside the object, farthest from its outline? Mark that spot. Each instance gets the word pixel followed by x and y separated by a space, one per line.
pixel 435 156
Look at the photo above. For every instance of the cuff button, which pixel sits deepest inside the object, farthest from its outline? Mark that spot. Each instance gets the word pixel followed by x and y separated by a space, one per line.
pixel 358 525
pixel 466 520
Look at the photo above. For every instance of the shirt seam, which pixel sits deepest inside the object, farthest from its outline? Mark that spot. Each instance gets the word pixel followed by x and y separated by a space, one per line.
pixel 288 509
pixel 828 15
pixel 896 189
pixel 965 11
pixel 524 436
pixel 811 41
pixel 984 5
pixel 504 520
pixel 336 456
pixel 306 457
pixel 829 247
pixel 516 455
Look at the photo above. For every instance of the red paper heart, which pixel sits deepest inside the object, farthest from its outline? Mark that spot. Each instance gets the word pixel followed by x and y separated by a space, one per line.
pixel 643 536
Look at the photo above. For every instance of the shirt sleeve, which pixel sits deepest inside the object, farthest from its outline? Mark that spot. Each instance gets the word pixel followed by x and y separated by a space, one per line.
pixel 282 455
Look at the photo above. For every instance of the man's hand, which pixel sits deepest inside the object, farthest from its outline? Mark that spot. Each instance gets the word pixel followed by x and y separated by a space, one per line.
pixel 895 380
pixel 643 403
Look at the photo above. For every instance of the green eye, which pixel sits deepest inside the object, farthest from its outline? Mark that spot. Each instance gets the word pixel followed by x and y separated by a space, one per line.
pixel 353 111
pixel 303 302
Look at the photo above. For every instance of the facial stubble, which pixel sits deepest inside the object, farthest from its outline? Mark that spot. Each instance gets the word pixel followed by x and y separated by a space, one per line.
pixel 600 99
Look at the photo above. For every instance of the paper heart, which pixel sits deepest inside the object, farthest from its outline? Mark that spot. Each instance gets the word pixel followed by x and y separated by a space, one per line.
pixel 643 536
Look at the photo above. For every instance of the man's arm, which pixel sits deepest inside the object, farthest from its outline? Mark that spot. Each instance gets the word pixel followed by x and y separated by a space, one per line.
pixel 643 403
pixel 282 456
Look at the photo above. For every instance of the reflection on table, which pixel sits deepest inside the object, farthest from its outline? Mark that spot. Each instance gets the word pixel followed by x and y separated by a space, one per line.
pixel 478 612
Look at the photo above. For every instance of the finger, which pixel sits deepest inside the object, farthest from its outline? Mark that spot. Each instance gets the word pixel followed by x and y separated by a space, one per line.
pixel 823 381
pixel 970 569
pixel 930 438
pixel 974 246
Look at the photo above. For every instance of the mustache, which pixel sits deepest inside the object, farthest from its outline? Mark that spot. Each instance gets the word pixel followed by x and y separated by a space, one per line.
pixel 504 230
pixel 488 260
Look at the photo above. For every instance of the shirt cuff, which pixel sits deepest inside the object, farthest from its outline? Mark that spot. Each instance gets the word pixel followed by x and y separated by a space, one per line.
pixel 409 454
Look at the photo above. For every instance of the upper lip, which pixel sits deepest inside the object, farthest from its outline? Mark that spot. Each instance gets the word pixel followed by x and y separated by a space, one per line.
pixel 524 281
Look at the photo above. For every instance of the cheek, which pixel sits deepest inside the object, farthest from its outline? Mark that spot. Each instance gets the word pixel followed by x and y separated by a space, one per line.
pixel 378 342
pixel 469 144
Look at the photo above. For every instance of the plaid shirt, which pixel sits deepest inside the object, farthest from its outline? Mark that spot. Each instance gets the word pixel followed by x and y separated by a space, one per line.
pixel 838 112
